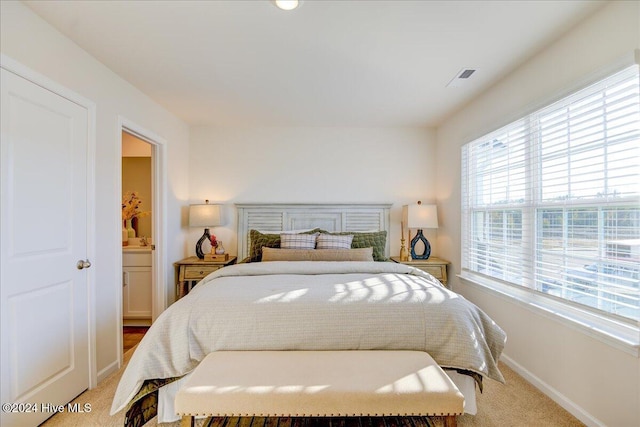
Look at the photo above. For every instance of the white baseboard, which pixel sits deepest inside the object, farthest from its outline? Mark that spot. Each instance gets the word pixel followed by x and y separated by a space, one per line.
pixel 571 407
pixel 107 371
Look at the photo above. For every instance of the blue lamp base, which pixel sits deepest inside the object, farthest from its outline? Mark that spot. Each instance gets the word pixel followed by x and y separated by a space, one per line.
pixel 427 247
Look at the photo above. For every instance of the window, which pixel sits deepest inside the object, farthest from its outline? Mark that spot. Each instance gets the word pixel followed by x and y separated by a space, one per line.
pixel 551 202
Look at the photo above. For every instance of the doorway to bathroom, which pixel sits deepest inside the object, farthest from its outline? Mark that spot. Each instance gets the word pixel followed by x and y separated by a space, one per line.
pixel 142 194
pixel 137 236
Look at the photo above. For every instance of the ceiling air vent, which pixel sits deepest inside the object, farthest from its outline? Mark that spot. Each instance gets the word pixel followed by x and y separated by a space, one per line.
pixel 462 77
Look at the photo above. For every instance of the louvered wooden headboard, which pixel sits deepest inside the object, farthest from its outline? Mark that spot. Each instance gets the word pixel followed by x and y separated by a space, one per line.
pixel 273 218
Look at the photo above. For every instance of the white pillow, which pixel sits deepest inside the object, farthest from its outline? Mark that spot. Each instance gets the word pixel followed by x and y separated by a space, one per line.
pixel 329 241
pixel 298 241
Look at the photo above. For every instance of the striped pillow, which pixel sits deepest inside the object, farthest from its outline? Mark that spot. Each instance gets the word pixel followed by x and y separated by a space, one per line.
pixel 298 241
pixel 330 241
pixel 376 240
pixel 259 240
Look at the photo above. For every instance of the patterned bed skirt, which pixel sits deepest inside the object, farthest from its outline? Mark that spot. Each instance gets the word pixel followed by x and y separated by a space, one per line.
pixel 321 422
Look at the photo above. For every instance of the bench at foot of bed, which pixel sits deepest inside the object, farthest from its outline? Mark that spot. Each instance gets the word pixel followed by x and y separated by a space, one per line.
pixel 319 383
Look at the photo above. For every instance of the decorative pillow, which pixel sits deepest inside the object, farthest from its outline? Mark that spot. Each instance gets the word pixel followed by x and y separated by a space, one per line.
pixel 298 241
pixel 375 239
pixel 330 241
pixel 259 240
pixel 274 254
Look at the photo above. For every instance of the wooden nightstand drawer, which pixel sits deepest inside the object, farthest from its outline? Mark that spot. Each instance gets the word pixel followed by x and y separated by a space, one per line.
pixel 435 266
pixel 190 271
pixel 434 271
pixel 195 272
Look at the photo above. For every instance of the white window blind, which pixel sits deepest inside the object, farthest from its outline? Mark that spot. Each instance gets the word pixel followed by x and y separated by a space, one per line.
pixel 551 202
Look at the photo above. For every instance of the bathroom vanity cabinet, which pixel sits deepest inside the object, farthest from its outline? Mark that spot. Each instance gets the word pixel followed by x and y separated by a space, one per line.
pixel 136 286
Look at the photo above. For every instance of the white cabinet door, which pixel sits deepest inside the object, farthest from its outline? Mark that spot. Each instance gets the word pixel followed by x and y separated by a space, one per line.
pixel 43 210
pixel 136 293
pixel 136 287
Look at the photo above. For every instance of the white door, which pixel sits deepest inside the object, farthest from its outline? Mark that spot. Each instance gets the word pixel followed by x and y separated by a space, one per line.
pixel 44 296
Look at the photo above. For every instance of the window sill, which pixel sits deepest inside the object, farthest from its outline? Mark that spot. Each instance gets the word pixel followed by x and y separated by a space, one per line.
pixel 621 335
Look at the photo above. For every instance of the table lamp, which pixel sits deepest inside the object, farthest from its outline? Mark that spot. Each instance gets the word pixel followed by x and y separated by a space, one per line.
pixel 421 216
pixel 204 216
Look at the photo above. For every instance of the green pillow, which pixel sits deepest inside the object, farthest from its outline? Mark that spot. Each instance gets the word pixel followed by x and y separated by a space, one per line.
pixel 260 240
pixel 375 239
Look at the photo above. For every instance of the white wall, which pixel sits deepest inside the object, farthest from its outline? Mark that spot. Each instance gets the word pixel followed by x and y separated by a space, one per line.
pixel 345 165
pixel 597 382
pixel 312 165
pixel 29 40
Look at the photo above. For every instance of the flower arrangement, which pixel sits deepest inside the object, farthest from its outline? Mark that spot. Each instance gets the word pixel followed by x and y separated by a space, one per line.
pixel 216 247
pixel 131 206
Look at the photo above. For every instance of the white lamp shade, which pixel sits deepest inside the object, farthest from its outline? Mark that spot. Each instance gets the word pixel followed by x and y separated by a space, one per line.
pixel 204 215
pixel 422 216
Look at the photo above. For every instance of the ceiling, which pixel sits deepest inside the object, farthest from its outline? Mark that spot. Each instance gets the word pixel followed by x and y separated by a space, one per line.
pixel 327 63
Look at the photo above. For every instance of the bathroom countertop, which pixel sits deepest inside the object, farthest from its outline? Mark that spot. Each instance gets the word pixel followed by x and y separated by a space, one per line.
pixel 140 249
pixel 134 245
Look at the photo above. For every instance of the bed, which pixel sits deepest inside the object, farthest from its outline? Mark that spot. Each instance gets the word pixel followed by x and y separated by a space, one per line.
pixel 310 305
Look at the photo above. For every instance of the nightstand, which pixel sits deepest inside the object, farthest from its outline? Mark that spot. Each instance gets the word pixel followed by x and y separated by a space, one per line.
pixel 193 269
pixel 435 266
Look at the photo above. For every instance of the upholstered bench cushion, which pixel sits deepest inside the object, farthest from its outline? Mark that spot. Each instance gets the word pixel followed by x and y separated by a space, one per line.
pixel 318 383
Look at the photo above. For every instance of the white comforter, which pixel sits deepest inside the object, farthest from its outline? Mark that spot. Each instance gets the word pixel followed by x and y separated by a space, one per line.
pixel 315 306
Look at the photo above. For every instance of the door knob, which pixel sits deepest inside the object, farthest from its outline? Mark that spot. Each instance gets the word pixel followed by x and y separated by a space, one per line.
pixel 83 264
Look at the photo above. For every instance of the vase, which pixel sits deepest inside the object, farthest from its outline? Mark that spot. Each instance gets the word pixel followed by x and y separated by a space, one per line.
pixel 125 236
pixel 404 255
pixel 219 248
pixel 131 233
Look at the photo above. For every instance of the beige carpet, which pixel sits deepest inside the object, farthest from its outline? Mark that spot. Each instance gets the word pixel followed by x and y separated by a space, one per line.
pixel 514 404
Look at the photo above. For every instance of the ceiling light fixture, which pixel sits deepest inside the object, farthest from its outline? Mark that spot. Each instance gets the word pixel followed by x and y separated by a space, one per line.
pixel 287 4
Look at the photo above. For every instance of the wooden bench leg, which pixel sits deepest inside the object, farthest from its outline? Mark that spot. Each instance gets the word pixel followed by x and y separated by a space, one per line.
pixel 450 421
pixel 187 421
